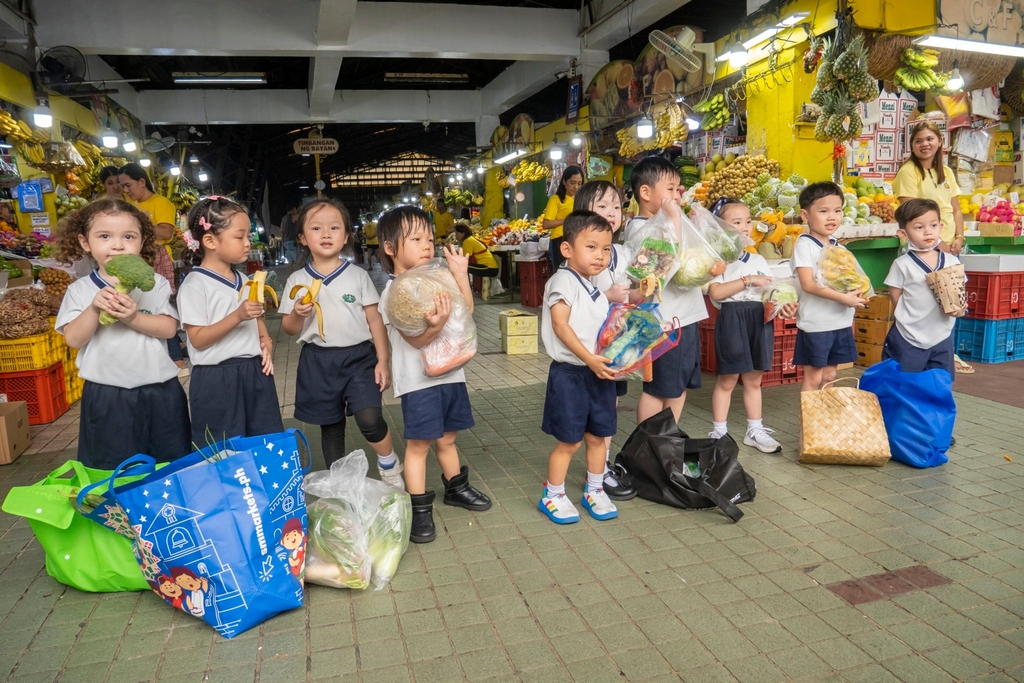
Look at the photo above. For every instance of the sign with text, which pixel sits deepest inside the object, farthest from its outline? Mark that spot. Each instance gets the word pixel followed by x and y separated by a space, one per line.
pixel 315 146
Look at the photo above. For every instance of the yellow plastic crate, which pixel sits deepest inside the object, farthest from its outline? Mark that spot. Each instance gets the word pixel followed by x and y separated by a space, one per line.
pixel 73 384
pixel 36 352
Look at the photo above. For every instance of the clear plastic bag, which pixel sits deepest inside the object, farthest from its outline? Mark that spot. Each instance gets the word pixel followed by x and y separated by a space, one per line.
pixel 699 262
pixel 776 295
pixel 722 237
pixel 837 268
pixel 654 250
pixel 358 527
pixel 633 337
pixel 411 299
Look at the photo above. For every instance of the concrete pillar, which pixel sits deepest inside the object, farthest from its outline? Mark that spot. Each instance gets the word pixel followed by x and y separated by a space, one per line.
pixel 485 125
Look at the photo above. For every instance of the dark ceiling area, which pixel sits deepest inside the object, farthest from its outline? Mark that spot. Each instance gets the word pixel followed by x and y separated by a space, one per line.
pixel 285 73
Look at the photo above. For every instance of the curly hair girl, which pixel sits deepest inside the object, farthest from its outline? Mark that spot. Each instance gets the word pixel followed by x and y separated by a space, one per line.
pixel 73 230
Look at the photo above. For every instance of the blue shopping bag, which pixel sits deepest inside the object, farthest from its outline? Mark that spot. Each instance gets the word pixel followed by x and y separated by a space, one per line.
pixel 220 533
pixel 918 409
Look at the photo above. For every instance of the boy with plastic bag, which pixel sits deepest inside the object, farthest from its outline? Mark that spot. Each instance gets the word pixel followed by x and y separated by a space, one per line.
pixel 829 288
pixel 744 334
pixel 579 404
pixel 358 527
pixel 655 184
pixel 428 309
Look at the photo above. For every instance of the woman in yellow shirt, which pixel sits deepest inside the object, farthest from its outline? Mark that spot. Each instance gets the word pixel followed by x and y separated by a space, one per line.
pixel 481 261
pixel 559 206
pixel 372 241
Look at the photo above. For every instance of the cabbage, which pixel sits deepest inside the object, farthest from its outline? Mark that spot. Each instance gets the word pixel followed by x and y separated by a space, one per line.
pixel 849 211
pixel 875 220
pixel 781 293
pixel 697 268
pixel 728 244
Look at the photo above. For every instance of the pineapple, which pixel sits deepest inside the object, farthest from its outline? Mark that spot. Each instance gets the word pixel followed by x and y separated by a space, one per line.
pixel 819 129
pixel 852 60
pixel 862 86
pixel 835 130
pixel 856 126
pixel 818 96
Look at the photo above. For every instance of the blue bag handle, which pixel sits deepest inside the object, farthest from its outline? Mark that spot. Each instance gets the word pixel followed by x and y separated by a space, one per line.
pixel 135 461
pixel 309 453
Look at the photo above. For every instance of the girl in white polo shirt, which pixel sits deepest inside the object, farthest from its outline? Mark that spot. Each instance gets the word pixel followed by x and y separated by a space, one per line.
pixel 232 391
pixel 345 370
pixel 922 338
pixel 132 401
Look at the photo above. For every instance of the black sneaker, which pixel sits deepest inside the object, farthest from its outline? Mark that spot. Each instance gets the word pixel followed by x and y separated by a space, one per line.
pixel 624 489
pixel 952 442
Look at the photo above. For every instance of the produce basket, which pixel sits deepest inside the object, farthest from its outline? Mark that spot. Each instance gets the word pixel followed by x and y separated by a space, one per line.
pixel 35 352
pixel 43 390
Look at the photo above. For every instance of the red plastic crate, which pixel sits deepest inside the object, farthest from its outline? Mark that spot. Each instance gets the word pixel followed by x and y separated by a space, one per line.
pixel 533 276
pixel 708 362
pixel 995 296
pixel 784 325
pixel 709 322
pixel 43 390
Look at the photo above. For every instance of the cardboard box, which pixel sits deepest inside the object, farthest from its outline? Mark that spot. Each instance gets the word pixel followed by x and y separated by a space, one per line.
pixel 996 229
pixel 717 145
pixel 888 111
pixel 885 146
pixel 516 323
pixel 888 168
pixel 870 331
pixel 26 274
pixel 993 263
pixel 15 434
pixel 880 307
pixel 515 346
pixel 735 145
pixel 868 354
pixel 908 107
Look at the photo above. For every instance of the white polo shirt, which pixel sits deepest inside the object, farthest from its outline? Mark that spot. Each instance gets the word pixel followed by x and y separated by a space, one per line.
pixel 343 295
pixel 118 355
pixel 407 371
pixel 747 264
pixel 588 309
pixel 816 314
pixel 919 318
pixel 616 269
pixel 204 298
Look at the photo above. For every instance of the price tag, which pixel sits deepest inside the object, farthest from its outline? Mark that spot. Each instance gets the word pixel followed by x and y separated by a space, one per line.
pixel 887 188
pixel 990 200
pixel 40 220
pixel 42 231
pixel 1014 198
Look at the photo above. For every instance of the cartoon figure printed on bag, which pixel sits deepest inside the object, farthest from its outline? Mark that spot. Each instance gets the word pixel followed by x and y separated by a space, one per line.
pixel 195 588
pixel 294 539
pixel 166 588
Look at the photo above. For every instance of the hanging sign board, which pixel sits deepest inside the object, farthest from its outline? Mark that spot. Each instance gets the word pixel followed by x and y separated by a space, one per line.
pixel 315 146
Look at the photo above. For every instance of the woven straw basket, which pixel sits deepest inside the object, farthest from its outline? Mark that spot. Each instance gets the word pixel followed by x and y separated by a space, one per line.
pixel 949 285
pixel 842 426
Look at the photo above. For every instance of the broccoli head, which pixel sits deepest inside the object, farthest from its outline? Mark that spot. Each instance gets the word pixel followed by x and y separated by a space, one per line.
pixel 132 272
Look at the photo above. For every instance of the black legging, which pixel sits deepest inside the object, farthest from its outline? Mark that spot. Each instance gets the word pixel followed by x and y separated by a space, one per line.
pixel 555 252
pixel 332 437
pixel 482 271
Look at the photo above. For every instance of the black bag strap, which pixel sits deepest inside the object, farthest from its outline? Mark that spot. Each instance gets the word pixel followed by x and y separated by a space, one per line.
pixel 730 509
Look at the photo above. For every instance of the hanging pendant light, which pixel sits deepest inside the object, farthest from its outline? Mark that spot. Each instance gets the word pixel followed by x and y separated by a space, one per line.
pixel 577 138
pixel 128 142
pixel 956 81
pixel 110 139
pixel 42 116
pixel 644 128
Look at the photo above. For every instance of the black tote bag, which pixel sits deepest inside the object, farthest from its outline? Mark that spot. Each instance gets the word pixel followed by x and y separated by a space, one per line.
pixel 655 459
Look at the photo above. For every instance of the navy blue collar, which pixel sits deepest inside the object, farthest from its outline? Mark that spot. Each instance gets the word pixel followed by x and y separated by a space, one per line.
pixel 236 285
pixel 327 279
pixel 591 290
pixel 615 260
pixel 391 277
pixel 831 240
pixel 744 256
pixel 924 266
pixel 99 281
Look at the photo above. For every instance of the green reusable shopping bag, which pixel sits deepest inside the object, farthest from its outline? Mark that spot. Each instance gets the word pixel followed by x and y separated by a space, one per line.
pixel 79 552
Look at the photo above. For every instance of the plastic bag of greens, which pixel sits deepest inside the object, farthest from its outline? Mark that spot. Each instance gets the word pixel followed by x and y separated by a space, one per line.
pixel 837 268
pixel 411 299
pixel 777 295
pixel 654 251
pixel 358 527
pixel 699 262
pixel 633 337
pixel 723 237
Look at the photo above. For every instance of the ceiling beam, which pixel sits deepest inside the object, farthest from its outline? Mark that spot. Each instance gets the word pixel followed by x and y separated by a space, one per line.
pixel 333 26
pixel 334 22
pixel 518 82
pixel 625 20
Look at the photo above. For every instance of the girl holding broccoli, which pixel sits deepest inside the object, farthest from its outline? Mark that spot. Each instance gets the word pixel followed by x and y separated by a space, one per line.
pixel 132 401
pixel 232 392
pixel 744 342
pixel 343 366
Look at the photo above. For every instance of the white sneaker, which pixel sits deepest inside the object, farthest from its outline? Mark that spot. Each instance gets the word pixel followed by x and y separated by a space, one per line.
pixel 759 438
pixel 392 476
pixel 598 504
pixel 558 508
pixel 715 434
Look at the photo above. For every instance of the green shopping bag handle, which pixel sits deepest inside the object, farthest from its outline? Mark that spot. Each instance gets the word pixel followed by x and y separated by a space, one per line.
pixel 140 460
pixel 56 477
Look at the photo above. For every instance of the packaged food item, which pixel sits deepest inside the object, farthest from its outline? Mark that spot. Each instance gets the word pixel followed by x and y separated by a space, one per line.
pixel 838 269
pixel 654 247
pixel 776 295
pixel 699 262
pixel 633 336
pixel 723 237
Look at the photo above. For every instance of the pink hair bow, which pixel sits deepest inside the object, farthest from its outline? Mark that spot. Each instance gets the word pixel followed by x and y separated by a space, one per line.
pixel 204 224
pixel 190 242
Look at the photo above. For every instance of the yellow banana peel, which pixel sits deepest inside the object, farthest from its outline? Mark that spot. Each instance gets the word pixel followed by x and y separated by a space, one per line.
pixel 258 288
pixel 312 291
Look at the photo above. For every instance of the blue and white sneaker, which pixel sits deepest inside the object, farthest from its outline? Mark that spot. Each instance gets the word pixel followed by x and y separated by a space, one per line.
pixel 598 504
pixel 558 508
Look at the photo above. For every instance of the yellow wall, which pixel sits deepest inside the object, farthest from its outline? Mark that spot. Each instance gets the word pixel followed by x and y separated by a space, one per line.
pixel 892 17
pixel 16 87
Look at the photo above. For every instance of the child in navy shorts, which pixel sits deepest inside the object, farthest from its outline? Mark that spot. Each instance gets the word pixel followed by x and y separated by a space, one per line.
pixel 922 337
pixel 132 401
pixel 579 406
pixel 744 342
pixel 232 392
pixel 434 409
pixel 343 366
pixel 824 321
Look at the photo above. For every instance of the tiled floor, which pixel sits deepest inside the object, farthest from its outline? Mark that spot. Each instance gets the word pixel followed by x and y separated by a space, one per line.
pixel 658 594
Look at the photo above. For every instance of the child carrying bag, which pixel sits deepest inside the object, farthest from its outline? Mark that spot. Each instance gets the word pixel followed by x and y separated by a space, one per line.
pixel 220 533
pixel 668 467
pixel 842 426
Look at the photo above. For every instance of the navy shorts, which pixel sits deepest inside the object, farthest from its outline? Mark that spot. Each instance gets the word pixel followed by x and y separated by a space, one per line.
pixel 677 370
pixel 233 398
pixel 621 388
pixel 913 359
pixel 821 349
pixel 117 423
pixel 333 382
pixel 578 403
pixel 744 342
pixel 431 413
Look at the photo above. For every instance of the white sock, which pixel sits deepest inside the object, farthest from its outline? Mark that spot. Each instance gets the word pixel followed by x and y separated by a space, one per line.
pixel 721 427
pixel 754 424
pixel 386 462
pixel 555 490
pixel 595 481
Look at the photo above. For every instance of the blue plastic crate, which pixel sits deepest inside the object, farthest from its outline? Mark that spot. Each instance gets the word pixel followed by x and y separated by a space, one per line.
pixel 990 341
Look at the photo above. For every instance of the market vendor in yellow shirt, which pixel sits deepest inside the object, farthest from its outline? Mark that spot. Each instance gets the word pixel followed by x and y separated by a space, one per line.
pixel 925 176
pixel 559 206
pixel 443 220
pixel 481 261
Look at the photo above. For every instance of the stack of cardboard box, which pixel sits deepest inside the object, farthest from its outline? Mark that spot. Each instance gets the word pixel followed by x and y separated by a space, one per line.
pixel 519 331
pixel 870 326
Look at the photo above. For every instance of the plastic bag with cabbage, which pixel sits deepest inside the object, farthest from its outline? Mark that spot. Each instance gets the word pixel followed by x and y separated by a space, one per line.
pixel 723 237
pixel 776 295
pixel 699 262
pixel 654 250
pixel 358 527
pixel 837 268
